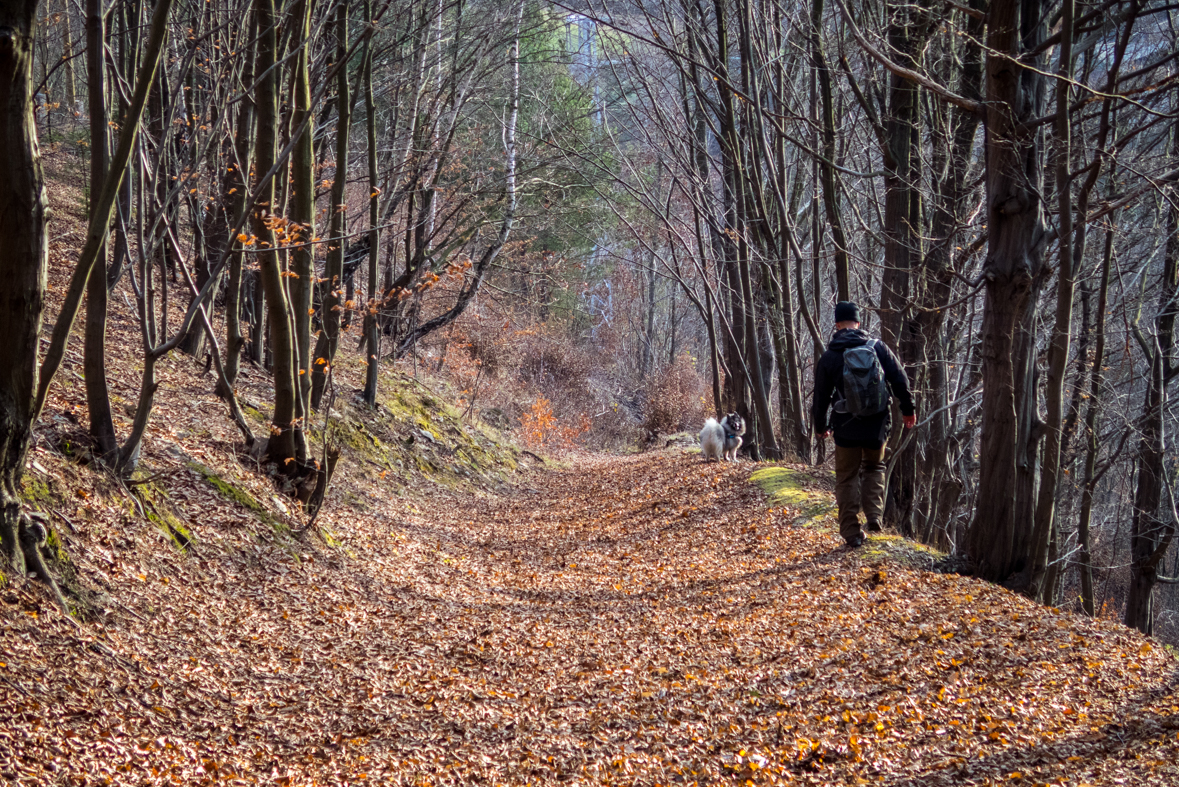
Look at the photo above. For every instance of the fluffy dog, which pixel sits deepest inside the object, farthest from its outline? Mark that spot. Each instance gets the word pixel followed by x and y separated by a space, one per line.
pixel 721 441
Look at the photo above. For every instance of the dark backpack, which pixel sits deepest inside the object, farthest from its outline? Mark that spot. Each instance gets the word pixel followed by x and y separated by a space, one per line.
pixel 864 389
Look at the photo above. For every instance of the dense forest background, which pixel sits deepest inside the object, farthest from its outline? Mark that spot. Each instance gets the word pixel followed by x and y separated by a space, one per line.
pixel 604 222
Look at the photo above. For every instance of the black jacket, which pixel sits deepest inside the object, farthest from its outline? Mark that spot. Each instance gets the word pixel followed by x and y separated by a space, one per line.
pixel 850 431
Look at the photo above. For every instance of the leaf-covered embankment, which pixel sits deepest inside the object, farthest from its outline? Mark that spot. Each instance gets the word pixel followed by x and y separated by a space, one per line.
pixel 626 620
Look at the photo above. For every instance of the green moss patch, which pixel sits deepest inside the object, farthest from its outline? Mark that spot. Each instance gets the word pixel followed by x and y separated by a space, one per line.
pixel 415 429
pixel 794 490
pixel 160 513
pixel 886 547
pixel 37 493
pixel 241 497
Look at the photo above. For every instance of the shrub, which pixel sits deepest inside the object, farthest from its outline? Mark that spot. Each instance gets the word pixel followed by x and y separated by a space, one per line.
pixel 677 400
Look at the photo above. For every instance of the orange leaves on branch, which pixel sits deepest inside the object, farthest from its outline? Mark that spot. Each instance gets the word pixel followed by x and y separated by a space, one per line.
pixel 538 423
pixel 542 429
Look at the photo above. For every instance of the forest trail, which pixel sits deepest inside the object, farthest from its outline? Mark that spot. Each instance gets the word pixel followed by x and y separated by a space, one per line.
pixel 633 620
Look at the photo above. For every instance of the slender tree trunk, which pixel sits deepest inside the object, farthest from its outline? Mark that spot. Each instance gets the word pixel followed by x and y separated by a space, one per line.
pixel 1096 384
pixel 902 237
pixel 695 108
pixel 285 430
pixel 647 351
pixel 102 425
pixel 372 334
pixel 329 336
pixel 67 56
pixel 128 17
pixel 236 185
pixel 1151 532
pixel 1058 351
pixel 302 284
pixel 826 161
pixel 902 173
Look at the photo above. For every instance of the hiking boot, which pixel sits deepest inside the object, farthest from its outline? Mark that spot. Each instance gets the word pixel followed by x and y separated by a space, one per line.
pixel 856 540
pixel 872 527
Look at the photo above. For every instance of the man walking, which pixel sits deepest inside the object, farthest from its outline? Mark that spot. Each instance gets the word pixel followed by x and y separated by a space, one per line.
pixel 851 378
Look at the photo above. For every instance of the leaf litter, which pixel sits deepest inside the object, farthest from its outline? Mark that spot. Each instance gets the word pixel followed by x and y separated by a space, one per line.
pixel 640 620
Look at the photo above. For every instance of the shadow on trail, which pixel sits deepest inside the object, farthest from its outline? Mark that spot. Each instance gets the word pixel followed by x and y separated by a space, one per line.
pixel 578 603
pixel 539 549
pixel 1044 762
pixel 667 591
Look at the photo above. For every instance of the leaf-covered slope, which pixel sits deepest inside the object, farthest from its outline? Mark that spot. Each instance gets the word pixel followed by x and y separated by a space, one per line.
pixel 641 620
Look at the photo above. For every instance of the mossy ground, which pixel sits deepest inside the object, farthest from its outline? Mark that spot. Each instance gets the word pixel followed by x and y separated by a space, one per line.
pixel 236 494
pixel 47 494
pixel 414 432
pixel 892 548
pixel 159 512
pixel 38 492
pixel 811 500
pixel 796 491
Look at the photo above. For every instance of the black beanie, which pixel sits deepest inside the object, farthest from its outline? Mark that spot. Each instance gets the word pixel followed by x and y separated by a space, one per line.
pixel 846 311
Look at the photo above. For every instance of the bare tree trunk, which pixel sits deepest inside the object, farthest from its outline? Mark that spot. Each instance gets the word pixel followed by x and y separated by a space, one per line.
pixel 237 183
pixel 1151 532
pixel 901 139
pixel 372 334
pixel 697 140
pixel 826 160
pixel 67 56
pixel 23 263
pixel 1058 352
pixel 302 284
pixel 285 430
pixel 102 425
pixel 329 336
pixel 128 15
pixel 997 539
pixel 647 352
pixel 1096 384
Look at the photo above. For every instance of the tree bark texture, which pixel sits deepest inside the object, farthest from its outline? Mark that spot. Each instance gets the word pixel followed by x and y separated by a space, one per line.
pixel 1151 531
pixel 1044 528
pixel 332 287
pixel 372 333
pixel 302 283
pixel 236 186
pixel 102 425
pixel 826 159
pixel 998 538
pixel 23 263
pixel 284 430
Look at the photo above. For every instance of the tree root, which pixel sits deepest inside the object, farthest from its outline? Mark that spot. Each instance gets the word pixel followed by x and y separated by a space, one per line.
pixel 33 535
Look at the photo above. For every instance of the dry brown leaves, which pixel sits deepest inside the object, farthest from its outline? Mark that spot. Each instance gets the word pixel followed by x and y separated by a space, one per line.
pixel 630 620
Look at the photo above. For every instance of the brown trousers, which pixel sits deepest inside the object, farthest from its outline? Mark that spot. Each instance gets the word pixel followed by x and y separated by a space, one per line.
pixel 859 485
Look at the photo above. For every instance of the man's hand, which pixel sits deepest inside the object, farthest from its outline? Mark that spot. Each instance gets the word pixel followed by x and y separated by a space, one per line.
pixel 909 420
pixel 826 434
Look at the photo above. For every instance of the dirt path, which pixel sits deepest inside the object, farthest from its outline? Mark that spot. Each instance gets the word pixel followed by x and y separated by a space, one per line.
pixel 630 620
